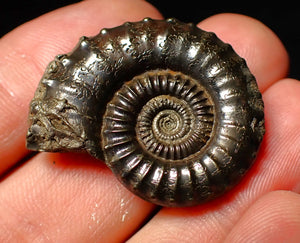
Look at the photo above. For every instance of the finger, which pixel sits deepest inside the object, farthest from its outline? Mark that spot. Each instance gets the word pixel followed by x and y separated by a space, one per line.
pixel 67 198
pixel 265 54
pixel 273 218
pixel 25 52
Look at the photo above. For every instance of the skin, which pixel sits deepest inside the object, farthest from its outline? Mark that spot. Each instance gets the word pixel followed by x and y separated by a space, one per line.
pixel 75 198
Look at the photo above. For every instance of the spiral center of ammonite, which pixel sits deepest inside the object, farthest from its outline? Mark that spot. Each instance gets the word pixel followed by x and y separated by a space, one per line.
pixel 167 123
pixel 165 119
pixel 161 113
pixel 177 119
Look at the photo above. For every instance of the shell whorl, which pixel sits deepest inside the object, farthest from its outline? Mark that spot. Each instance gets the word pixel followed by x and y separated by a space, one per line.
pixel 171 116
pixel 174 111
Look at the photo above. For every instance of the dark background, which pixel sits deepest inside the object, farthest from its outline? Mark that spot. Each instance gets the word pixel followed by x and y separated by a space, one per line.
pixel 284 20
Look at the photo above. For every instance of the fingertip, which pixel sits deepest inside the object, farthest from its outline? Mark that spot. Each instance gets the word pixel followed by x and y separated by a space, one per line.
pixel 265 54
pixel 71 192
pixel 279 154
pixel 282 113
pixel 273 218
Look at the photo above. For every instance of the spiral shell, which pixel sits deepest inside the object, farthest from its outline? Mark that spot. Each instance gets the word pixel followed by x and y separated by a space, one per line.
pixel 174 111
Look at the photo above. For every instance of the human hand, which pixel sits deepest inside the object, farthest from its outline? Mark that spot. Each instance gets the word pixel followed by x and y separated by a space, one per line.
pixel 75 198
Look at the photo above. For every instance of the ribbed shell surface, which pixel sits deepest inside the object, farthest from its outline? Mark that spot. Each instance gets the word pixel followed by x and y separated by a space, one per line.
pixel 85 97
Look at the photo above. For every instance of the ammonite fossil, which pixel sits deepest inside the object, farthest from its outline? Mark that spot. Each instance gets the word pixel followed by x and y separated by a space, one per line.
pixel 174 111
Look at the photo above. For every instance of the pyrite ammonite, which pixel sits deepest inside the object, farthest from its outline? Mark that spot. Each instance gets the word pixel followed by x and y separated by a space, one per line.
pixel 174 111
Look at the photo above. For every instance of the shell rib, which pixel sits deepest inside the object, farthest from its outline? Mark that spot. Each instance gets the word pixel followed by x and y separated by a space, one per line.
pixel 174 111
